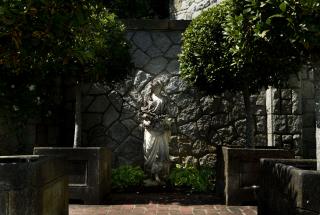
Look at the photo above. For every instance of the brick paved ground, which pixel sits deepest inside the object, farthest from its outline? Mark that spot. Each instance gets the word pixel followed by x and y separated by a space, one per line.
pixel 161 204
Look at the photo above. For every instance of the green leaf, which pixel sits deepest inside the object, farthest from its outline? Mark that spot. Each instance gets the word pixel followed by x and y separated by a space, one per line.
pixel 264 33
pixel 262 4
pixel 283 6
pixel 269 20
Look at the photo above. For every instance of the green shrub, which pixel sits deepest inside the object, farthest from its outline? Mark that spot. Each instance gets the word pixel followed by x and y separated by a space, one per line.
pixel 200 180
pixel 204 60
pixel 126 176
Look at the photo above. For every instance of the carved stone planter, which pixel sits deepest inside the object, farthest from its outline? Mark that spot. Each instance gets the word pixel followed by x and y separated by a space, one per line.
pixel 33 185
pixel 238 172
pixel 89 170
pixel 289 187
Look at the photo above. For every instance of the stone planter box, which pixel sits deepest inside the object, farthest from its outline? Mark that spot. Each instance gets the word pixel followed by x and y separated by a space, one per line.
pixel 33 185
pixel 89 170
pixel 289 187
pixel 239 170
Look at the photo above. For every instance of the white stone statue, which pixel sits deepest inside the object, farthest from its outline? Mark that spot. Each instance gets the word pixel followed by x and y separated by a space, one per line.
pixel 157 133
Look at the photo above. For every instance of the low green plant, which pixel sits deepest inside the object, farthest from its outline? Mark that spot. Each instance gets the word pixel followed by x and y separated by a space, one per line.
pixel 126 176
pixel 199 180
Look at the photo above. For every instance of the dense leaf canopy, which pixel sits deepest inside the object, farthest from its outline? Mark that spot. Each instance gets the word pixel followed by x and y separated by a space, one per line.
pixel 42 39
pixel 204 60
pixel 248 44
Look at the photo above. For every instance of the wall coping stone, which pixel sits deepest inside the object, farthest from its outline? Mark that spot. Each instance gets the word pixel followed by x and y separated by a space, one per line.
pixel 153 24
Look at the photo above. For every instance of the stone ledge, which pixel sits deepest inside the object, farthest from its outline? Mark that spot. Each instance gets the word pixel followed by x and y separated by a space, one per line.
pixel 151 24
pixel 288 187
pixel 89 171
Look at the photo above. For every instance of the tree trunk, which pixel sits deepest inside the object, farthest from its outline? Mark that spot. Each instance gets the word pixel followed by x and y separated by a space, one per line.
pixel 77 116
pixel 249 119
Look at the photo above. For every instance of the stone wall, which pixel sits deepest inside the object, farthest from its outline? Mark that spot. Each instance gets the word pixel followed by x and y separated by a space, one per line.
pixel 111 115
pixel 189 9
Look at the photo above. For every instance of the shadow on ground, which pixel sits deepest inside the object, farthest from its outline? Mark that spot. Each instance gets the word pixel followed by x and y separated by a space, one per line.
pixel 162 198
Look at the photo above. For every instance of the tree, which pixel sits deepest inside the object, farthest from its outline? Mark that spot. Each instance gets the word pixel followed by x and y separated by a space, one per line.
pixel 29 45
pixel 244 46
pixel 42 39
pixel 99 54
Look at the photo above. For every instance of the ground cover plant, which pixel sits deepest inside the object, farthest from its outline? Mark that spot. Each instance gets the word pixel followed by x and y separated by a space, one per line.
pixel 244 46
pixel 182 178
pixel 193 179
pixel 126 176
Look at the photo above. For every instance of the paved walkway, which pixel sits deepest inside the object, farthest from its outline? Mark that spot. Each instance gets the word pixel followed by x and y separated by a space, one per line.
pixel 161 204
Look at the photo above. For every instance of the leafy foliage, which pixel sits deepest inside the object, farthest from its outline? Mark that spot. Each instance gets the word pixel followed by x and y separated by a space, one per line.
pixel 100 51
pixel 258 62
pixel 126 176
pixel 42 39
pixel 245 43
pixel 200 180
pixel 204 61
pixel 293 19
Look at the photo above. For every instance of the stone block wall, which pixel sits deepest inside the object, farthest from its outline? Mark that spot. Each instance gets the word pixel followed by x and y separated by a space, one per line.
pixel 189 9
pixel 284 118
pixel 291 114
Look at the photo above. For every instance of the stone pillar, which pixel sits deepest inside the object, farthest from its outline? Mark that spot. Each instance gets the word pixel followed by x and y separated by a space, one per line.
pixel 317 110
pixel 284 117
pixel 318 139
pixel 291 113
pixel 308 109
pixel 316 72
pixel 269 108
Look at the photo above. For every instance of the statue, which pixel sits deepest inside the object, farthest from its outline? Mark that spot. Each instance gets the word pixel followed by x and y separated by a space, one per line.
pixel 157 133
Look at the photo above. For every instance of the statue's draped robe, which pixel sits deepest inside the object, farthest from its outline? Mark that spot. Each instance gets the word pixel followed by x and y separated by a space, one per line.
pixel 156 138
